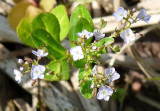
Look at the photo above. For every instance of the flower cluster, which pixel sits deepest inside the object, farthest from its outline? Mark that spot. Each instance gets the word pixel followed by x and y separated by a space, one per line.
pixel 126 33
pixel 87 51
pixel 102 81
pixel 31 66
pixel 81 50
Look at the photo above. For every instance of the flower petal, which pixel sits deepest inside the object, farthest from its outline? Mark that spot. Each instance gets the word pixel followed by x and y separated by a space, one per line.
pixel 41 76
pixel 106 98
pixel 34 52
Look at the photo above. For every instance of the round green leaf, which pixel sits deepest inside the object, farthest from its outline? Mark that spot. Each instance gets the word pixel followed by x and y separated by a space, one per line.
pixel 48 22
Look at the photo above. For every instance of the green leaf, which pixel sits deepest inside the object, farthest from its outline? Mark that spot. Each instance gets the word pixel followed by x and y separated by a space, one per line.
pixel 48 22
pixel 60 71
pixel 86 90
pixel 79 12
pixel 42 38
pixel 85 86
pixel 62 16
pixel 105 41
pixel 79 63
pixel 79 27
pixel 24 32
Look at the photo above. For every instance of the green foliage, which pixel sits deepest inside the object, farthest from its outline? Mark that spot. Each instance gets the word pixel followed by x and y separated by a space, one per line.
pixel 79 63
pixel 106 41
pixel 48 22
pixel 79 15
pixel 60 71
pixel 85 88
pixel 81 25
pixel 24 32
pixel 42 38
pixel 62 16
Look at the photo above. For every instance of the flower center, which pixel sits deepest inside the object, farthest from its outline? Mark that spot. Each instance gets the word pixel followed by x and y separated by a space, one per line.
pixel 127 35
pixel 37 72
pixel 77 52
pixel 143 17
pixel 121 14
pixel 104 92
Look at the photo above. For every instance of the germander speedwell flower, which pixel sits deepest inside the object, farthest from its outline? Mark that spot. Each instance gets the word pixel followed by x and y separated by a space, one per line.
pixel 39 53
pixel 18 75
pixel 120 14
pixel 98 35
pixel 85 33
pixel 143 16
pixel 111 74
pixel 37 72
pixel 127 36
pixel 77 53
pixel 104 93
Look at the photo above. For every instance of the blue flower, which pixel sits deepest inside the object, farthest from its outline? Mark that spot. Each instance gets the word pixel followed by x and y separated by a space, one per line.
pixel 85 33
pixel 127 36
pixel 143 16
pixel 98 35
pixel 37 72
pixel 111 74
pixel 104 93
pixel 120 14
pixel 39 53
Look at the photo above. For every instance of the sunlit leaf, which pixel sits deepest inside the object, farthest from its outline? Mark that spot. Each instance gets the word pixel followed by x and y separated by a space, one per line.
pixel 62 16
pixel 48 22
pixel 41 38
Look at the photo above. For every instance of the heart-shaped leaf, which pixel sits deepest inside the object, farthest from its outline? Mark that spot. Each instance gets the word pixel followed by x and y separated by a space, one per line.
pixel 48 22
